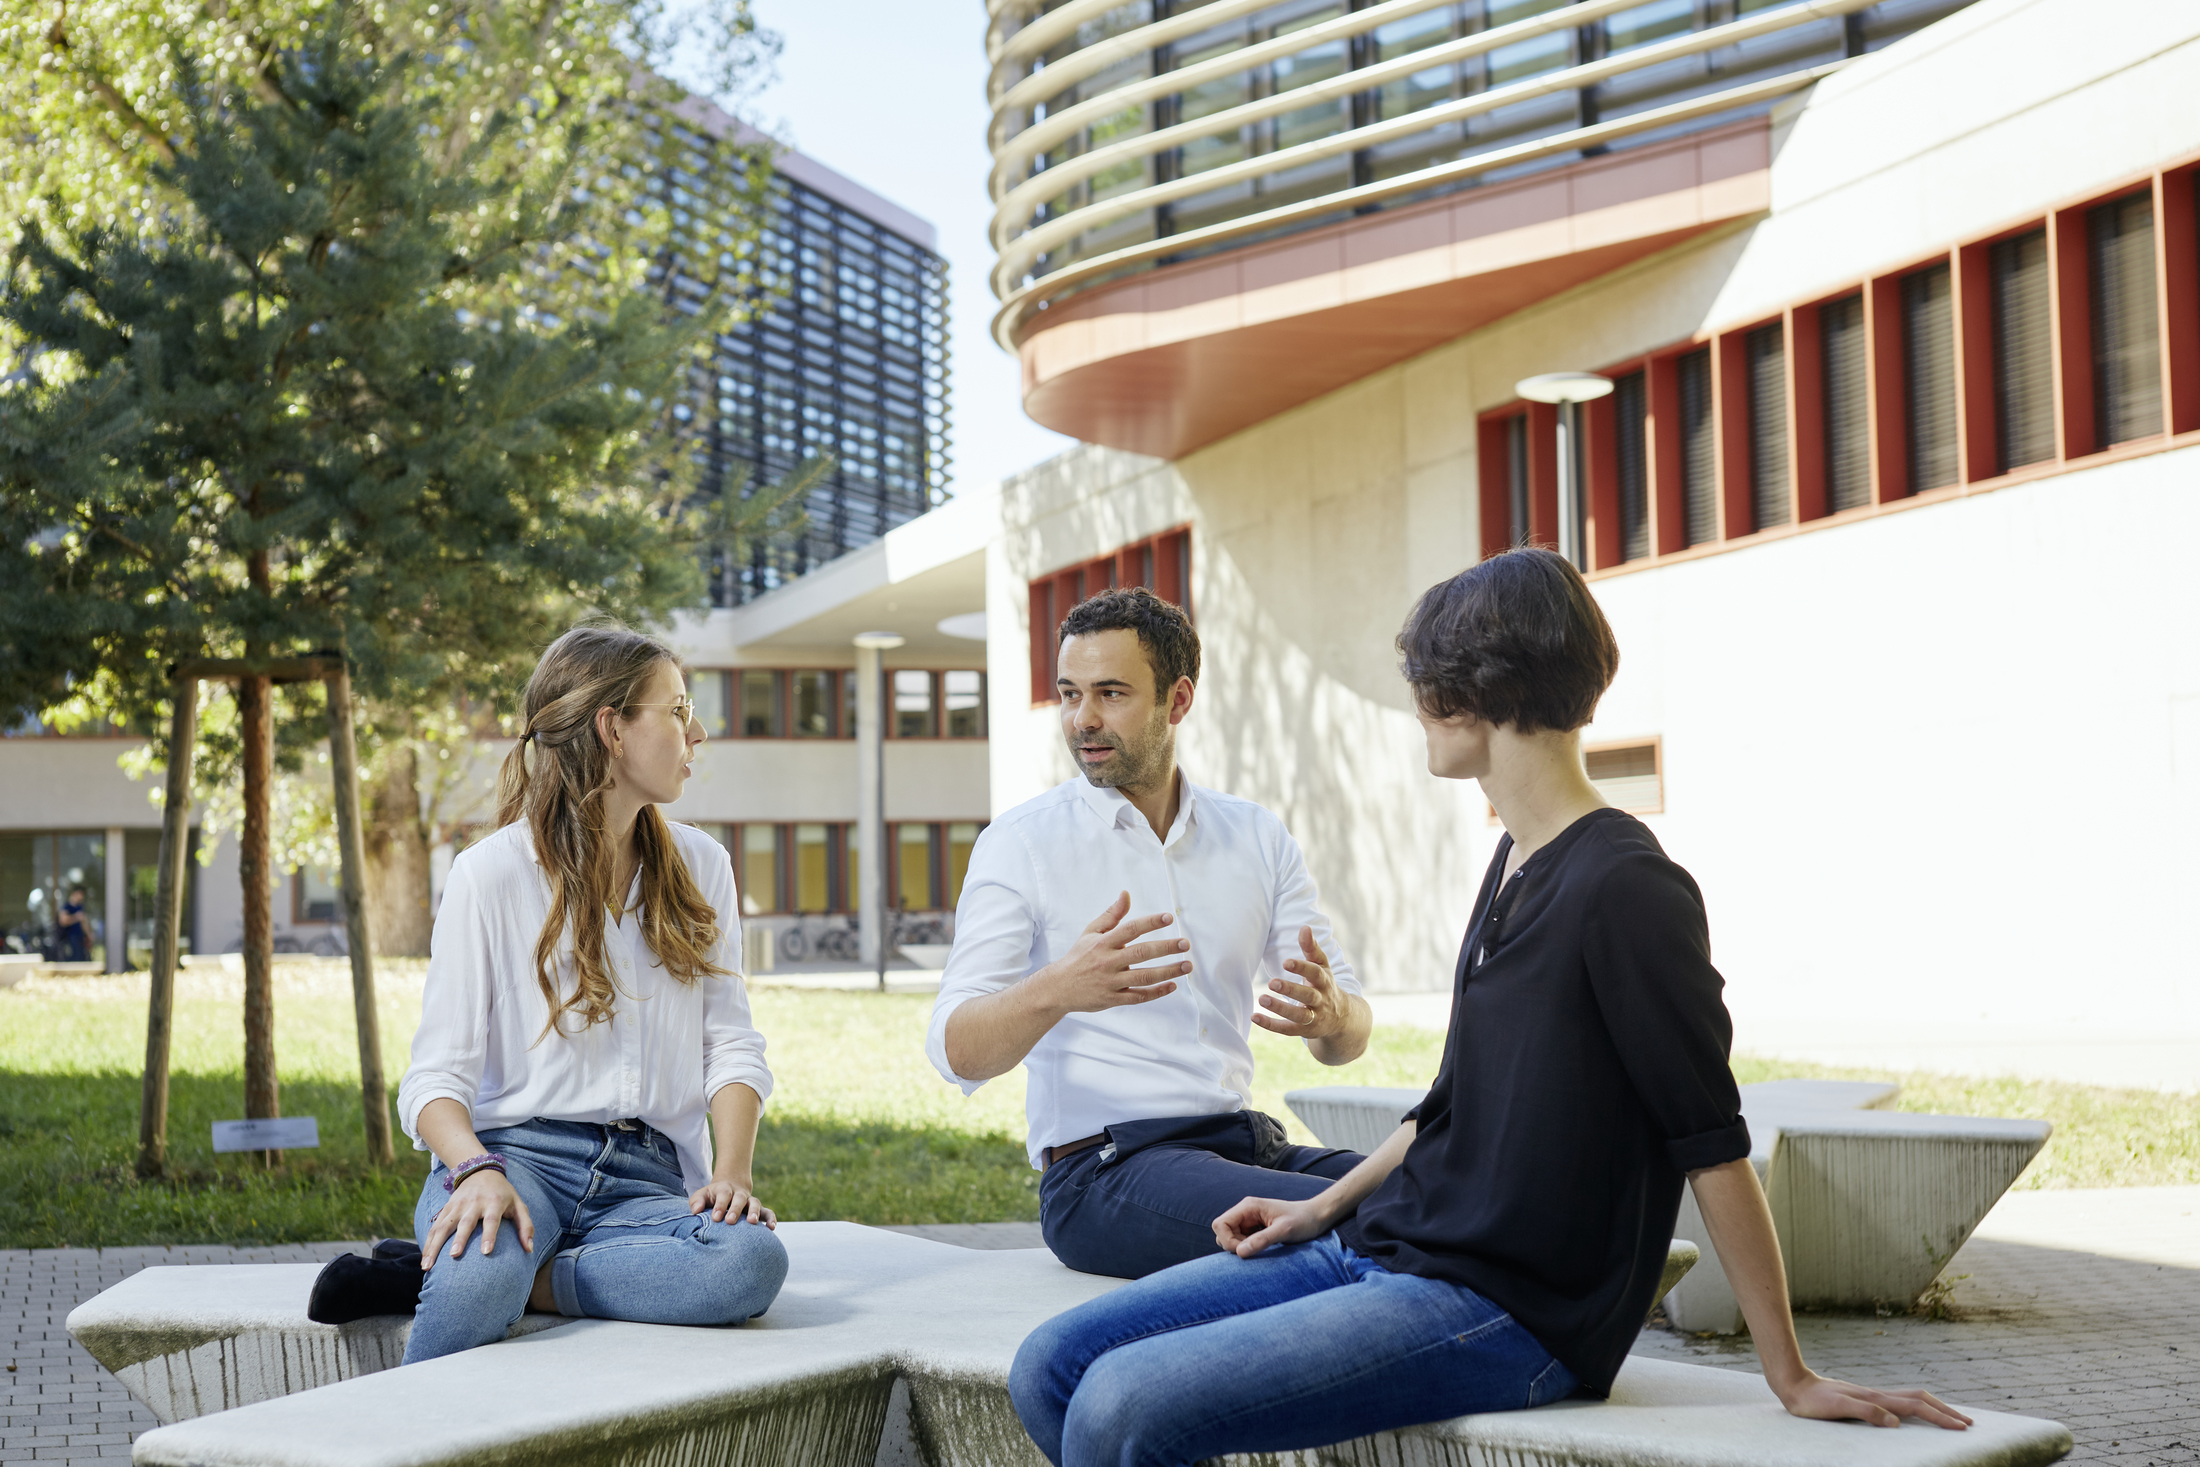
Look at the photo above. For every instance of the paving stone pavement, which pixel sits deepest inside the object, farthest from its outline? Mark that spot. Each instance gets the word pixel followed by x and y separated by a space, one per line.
pixel 58 1404
pixel 2079 1306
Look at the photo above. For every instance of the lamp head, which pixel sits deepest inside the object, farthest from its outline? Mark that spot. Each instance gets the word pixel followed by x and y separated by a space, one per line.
pixel 879 641
pixel 1564 387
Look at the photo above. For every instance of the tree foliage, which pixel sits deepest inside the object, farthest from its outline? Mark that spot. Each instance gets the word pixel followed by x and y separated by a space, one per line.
pixel 359 355
pixel 538 93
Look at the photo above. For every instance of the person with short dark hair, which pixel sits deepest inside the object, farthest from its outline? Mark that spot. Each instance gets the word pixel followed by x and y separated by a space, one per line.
pixel 1500 1250
pixel 1136 1030
pixel 76 928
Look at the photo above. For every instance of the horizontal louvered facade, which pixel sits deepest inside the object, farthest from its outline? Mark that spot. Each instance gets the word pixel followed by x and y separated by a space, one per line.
pixel 843 355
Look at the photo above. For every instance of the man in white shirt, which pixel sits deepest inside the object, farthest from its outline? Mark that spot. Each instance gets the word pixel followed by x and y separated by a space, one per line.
pixel 1139 1074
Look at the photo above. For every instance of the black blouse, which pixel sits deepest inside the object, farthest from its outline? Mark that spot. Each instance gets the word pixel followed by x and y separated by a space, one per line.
pixel 1585 1073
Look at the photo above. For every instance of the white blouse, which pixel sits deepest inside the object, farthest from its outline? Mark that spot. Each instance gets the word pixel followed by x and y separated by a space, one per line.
pixel 668 1048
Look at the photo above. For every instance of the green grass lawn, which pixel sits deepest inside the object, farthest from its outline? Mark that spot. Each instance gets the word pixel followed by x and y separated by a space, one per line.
pixel 860 1127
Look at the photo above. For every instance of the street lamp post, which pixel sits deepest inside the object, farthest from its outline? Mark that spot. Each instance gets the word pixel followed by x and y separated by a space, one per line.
pixel 1569 390
pixel 871 798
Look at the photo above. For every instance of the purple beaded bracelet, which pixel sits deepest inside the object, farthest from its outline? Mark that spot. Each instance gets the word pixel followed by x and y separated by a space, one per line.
pixel 488 1161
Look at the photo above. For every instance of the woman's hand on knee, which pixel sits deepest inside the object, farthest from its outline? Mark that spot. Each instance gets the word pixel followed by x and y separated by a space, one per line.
pixel 483 1200
pixel 730 1199
pixel 1253 1224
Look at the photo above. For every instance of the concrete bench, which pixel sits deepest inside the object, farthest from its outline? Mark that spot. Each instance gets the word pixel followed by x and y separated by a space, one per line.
pixel 883 1351
pixel 1870 1204
pixel 1361 1117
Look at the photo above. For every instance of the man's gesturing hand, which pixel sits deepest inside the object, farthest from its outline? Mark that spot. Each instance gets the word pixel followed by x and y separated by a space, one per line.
pixel 1100 970
pixel 1313 1009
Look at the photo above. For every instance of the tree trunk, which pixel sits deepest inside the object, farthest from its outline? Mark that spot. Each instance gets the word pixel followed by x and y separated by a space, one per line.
pixel 399 890
pixel 256 712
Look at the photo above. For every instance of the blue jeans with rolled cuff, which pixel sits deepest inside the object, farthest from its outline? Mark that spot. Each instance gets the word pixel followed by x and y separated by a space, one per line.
pixel 612 1217
pixel 1301 1346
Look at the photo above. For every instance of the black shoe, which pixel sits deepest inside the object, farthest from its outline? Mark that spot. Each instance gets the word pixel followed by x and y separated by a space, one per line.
pixel 351 1287
pixel 396 1250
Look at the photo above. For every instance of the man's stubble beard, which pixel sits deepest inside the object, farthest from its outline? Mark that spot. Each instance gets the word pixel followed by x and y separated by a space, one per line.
pixel 1136 764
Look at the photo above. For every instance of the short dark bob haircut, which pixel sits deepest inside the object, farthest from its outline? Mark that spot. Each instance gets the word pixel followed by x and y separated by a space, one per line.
pixel 1172 647
pixel 1517 639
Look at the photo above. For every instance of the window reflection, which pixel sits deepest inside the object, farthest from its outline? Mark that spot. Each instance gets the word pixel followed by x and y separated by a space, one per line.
pixel 141 862
pixel 711 694
pixel 759 704
pixel 913 711
pixel 758 876
pixel 811 700
pixel 962 838
pixel 913 867
pixel 812 869
pixel 53 895
pixel 315 895
pixel 963 693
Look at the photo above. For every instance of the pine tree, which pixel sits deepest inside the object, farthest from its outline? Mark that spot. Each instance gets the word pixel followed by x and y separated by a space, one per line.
pixel 534 93
pixel 319 409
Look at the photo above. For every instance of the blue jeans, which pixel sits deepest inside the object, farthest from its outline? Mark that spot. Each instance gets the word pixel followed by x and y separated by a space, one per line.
pixel 1303 1346
pixel 1148 1199
pixel 611 1216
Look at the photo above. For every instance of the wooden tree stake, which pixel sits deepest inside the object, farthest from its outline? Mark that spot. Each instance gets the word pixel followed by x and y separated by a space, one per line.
pixel 256 714
pixel 344 759
pixel 175 830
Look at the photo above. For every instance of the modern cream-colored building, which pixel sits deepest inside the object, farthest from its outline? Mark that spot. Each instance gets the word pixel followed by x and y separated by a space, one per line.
pixel 1892 507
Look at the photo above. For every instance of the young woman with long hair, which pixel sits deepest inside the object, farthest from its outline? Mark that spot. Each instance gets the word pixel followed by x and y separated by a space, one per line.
pixel 1500 1250
pixel 583 1019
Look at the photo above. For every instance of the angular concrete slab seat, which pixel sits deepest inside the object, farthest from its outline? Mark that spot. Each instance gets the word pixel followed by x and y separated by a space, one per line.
pixel 884 1350
pixel 1820 1095
pixel 190 1341
pixel 1870 1203
pixel 1355 1117
pixel 1361 1117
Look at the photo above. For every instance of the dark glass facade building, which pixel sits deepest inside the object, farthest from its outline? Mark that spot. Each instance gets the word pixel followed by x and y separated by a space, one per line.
pixel 845 355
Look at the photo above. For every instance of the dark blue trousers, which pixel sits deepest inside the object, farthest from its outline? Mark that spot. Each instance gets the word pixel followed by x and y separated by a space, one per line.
pixel 1147 1198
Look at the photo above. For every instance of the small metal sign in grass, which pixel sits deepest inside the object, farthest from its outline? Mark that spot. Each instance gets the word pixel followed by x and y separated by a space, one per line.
pixel 277 1133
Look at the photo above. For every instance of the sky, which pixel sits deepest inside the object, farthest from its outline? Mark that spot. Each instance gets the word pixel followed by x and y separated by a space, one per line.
pixel 891 93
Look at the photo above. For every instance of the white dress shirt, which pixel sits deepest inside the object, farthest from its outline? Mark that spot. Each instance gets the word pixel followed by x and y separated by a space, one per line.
pixel 668 1047
pixel 1234 880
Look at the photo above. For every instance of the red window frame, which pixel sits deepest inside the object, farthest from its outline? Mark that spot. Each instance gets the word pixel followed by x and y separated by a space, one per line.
pixel 1161 563
pixel 2175 191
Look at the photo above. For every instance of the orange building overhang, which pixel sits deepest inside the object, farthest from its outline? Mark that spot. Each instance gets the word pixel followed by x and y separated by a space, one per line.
pixel 1179 357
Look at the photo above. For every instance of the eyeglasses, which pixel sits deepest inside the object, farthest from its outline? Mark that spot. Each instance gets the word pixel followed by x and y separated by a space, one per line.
pixel 684 709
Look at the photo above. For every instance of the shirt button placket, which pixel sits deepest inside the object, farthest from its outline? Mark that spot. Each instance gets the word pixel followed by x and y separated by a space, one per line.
pixel 630 1049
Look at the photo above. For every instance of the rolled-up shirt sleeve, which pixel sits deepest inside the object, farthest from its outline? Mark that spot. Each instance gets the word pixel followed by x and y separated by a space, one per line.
pixel 733 1050
pixel 1298 904
pixel 450 1046
pixel 1649 962
pixel 995 933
